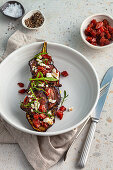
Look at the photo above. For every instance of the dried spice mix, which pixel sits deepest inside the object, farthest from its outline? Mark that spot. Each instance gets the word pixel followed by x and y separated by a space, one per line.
pixel 35 21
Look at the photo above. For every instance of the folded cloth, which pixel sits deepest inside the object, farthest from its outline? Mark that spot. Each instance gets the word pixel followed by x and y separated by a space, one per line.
pixel 41 152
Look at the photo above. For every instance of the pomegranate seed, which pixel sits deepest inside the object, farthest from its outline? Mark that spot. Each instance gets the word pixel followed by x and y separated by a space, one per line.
pixel 64 73
pixel 20 84
pixel 62 108
pixel 22 91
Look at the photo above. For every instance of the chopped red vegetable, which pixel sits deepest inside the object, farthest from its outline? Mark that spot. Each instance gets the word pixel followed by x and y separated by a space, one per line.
pixel 64 73
pixel 36 116
pixel 59 114
pixel 42 116
pixel 99 33
pixel 45 124
pixel 22 91
pixel 36 123
pixel 20 84
pixel 62 108
pixel 42 108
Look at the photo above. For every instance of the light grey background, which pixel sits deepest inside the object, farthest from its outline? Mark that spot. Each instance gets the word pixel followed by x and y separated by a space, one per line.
pixel 62 23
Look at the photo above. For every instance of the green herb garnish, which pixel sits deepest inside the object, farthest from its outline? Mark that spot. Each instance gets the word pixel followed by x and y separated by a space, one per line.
pixel 40 73
pixel 48 115
pixel 44 79
pixel 37 111
pixel 63 98
pixel 45 60
pixel 39 82
pixel 29 104
pixel 36 56
pixel 33 93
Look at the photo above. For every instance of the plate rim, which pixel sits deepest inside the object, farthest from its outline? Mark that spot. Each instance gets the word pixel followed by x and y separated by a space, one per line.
pixel 72 127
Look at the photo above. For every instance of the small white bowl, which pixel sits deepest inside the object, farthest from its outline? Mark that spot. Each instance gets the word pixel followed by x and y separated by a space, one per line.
pixel 98 17
pixel 28 15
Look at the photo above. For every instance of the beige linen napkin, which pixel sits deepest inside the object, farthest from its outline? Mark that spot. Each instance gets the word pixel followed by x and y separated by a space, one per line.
pixel 41 152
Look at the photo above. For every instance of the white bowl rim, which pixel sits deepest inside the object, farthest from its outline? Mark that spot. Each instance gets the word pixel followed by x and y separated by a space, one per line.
pixel 68 129
pixel 81 31
pixel 23 19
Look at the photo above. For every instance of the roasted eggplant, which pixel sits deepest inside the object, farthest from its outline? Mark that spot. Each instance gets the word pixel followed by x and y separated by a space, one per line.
pixel 43 94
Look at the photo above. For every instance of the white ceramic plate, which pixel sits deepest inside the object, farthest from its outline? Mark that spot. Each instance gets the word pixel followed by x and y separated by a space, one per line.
pixel 82 85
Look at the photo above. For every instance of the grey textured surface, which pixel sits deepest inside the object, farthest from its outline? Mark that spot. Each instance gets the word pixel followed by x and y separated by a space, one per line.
pixel 62 23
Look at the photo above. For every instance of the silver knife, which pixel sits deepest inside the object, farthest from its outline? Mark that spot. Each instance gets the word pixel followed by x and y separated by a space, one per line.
pixel 95 118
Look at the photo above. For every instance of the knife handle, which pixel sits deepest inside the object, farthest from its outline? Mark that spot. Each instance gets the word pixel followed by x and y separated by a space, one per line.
pixel 87 145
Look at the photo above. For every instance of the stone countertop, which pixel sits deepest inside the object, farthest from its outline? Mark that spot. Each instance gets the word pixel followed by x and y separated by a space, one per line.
pixel 62 24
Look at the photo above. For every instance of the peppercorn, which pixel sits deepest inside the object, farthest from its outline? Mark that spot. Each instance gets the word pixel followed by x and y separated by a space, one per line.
pixel 35 21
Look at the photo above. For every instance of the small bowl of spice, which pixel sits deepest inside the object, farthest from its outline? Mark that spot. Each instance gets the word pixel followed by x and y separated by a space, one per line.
pixel 97 31
pixel 12 9
pixel 33 19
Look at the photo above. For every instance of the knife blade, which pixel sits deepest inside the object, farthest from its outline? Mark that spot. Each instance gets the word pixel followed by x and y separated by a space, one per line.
pixel 107 79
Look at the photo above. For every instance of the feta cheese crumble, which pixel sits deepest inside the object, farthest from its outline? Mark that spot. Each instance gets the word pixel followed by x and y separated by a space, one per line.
pixel 48 120
pixel 50 112
pixel 52 101
pixel 49 75
pixel 40 57
pixel 56 75
pixel 41 85
pixel 30 100
pixel 40 62
pixel 34 68
pixel 31 110
pixel 54 70
pixel 53 74
pixel 36 105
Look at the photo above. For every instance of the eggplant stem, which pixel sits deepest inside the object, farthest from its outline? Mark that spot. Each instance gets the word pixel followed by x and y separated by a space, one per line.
pixel 44 49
